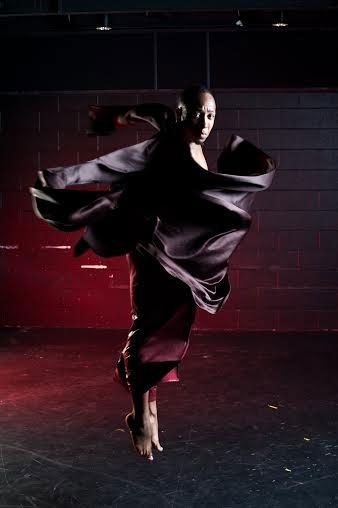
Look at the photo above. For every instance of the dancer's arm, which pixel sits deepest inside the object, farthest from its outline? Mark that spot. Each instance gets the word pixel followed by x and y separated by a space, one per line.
pixel 106 119
pixel 109 168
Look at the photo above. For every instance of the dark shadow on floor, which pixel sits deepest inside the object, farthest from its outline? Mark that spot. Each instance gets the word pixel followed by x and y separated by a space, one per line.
pixel 252 423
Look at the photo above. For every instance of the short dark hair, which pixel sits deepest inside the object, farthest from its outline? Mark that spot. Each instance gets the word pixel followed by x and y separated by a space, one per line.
pixel 188 97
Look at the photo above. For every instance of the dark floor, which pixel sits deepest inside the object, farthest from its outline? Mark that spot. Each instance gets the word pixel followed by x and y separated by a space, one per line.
pixel 252 423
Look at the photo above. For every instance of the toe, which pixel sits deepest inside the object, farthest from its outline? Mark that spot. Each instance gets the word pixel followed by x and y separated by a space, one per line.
pixel 158 446
pixel 149 453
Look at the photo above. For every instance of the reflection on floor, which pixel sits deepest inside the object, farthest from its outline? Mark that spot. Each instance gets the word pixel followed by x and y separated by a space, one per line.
pixel 252 423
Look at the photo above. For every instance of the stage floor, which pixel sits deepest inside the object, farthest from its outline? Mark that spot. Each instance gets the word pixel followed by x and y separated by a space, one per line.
pixel 253 422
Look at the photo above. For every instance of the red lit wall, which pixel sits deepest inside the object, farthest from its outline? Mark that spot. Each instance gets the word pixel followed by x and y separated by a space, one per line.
pixel 283 275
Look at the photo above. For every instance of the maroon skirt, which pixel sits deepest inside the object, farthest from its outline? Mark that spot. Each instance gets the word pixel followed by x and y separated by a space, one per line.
pixel 163 311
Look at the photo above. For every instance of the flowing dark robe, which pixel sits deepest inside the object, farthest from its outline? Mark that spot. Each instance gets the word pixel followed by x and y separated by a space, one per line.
pixel 163 206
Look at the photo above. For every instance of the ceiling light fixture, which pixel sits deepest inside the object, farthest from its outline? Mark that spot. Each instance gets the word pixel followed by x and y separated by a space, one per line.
pixel 105 27
pixel 281 22
pixel 239 21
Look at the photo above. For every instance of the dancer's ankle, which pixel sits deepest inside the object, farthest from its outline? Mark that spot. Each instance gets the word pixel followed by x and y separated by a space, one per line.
pixel 141 416
pixel 140 407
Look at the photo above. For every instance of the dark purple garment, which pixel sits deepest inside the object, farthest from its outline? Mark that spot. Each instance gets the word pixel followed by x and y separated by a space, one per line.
pixel 178 223
pixel 161 201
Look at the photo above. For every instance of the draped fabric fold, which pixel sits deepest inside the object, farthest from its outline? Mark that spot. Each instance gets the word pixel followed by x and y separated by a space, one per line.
pixel 160 201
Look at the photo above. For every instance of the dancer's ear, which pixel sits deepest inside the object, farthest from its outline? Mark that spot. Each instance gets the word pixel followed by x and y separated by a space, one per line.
pixel 181 113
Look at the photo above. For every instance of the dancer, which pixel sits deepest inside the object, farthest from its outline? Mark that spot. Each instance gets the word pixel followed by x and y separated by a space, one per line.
pixel 177 222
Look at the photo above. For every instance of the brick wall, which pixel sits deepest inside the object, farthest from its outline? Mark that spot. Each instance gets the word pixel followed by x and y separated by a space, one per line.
pixel 284 273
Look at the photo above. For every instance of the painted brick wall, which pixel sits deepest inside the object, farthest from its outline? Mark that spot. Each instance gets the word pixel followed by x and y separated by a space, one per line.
pixel 284 273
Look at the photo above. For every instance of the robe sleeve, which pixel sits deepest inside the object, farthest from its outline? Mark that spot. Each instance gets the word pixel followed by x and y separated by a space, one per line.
pixel 110 168
pixel 56 204
pixel 240 157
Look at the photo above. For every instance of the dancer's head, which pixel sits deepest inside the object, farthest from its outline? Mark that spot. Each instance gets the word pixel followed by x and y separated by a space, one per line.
pixel 196 110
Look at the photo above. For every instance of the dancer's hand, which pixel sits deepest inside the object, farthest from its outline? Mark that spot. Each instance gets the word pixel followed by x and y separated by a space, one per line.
pixel 42 179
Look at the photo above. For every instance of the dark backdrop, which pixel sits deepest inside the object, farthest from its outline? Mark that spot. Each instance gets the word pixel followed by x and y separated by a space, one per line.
pixel 275 88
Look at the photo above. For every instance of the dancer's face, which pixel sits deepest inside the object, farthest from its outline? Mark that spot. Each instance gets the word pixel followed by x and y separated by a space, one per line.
pixel 200 118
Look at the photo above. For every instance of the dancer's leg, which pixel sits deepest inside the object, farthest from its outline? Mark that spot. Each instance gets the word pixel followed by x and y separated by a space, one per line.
pixel 163 312
pixel 143 424
pixel 153 393
pixel 153 417
pixel 138 422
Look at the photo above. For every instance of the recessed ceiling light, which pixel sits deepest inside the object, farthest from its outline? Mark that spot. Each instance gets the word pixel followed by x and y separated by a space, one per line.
pixel 239 22
pixel 281 22
pixel 105 27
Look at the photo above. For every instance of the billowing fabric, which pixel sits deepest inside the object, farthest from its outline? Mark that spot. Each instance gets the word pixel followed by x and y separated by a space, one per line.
pixel 161 201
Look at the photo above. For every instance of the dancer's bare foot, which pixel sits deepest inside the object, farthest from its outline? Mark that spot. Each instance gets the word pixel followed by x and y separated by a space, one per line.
pixel 141 435
pixel 154 425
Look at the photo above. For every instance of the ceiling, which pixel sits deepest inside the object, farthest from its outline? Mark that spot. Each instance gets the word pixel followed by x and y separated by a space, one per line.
pixel 53 17
pixel 69 6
